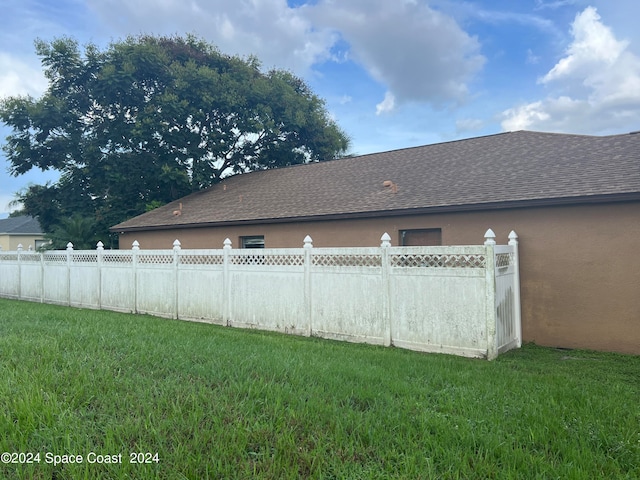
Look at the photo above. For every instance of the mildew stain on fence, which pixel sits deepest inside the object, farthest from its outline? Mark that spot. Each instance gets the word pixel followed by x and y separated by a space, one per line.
pixel 463 300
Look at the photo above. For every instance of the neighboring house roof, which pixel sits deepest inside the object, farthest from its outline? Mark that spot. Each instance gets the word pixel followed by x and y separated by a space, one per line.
pixel 23 225
pixel 497 171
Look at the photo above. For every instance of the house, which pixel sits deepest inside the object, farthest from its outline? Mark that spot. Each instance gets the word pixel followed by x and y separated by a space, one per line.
pixel 23 230
pixel 574 201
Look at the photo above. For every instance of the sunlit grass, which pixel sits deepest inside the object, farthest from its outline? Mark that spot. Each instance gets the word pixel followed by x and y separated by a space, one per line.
pixel 216 402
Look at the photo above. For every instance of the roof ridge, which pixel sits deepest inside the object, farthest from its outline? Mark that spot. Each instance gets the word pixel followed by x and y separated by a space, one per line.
pixel 383 152
pixel 502 168
pixel 357 156
pixel 403 149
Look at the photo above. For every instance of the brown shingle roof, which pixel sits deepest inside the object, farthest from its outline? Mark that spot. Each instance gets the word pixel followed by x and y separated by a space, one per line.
pixel 492 171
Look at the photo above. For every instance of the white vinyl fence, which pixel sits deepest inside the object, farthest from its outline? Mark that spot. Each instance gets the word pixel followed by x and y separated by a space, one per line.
pixel 463 300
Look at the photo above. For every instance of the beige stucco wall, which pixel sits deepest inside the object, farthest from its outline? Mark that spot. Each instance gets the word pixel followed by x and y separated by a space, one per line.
pixel 11 242
pixel 580 265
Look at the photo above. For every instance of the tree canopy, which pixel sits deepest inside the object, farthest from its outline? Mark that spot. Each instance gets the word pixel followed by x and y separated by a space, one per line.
pixel 150 119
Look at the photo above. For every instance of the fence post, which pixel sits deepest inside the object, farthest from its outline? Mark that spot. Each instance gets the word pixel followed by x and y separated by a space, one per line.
pixel 308 301
pixel 490 293
pixel 99 250
pixel 69 250
pixel 41 276
pixel 135 246
pixel 226 287
pixel 19 255
pixel 386 289
pixel 177 246
pixel 513 241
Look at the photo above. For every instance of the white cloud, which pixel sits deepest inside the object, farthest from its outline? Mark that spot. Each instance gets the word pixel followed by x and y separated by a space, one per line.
pixel 387 105
pixel 278 35
pixel 597 84
pixel 541 5
pixel 525 117
pixel 20 78
pixel 594 46
pixel 418 53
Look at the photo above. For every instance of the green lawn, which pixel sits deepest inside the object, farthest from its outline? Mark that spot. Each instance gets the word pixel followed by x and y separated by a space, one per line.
pixel 216 402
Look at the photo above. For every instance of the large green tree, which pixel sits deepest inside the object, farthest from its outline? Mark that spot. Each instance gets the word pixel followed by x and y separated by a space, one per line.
pixel 150 119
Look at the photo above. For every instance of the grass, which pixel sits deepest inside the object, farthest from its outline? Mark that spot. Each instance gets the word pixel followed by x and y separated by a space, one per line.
pixel 216 402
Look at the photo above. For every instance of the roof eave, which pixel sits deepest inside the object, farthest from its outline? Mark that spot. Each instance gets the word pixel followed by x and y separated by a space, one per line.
pixel 528 203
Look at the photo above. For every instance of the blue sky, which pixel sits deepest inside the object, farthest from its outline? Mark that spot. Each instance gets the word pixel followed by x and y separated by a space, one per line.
pixel 394 73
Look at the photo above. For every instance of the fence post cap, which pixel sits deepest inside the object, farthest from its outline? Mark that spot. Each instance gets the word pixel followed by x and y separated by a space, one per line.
pixel 308 242
pixel 99 246
pixel 135 245
pixel 386 240
pixel 513 238
pixel 489 237
pixel 227 243
pixel 69 246
pixel 176 244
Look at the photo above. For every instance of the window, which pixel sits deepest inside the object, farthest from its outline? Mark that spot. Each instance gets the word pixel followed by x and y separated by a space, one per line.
pixel 255 241
pixel 421 237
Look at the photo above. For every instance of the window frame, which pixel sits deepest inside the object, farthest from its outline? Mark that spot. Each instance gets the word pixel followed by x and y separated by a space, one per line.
pixel 252 241
pixel 402 234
